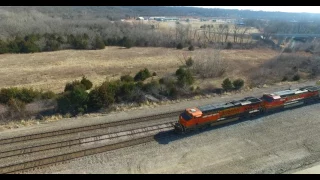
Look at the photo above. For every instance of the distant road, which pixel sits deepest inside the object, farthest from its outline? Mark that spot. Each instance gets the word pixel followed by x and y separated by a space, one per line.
pixel 288 35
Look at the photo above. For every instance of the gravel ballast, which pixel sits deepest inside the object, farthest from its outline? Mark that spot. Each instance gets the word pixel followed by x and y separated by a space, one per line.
pixel 276 143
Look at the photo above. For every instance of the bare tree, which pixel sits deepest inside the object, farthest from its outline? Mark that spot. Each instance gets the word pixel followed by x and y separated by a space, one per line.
pixel 181 32
pixel 221 30
pixel 235 33
pixel 242 34
pixel 208 63
pixel 226 32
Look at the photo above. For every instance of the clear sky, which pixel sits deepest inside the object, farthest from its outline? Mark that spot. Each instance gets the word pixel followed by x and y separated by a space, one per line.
pixel 298 9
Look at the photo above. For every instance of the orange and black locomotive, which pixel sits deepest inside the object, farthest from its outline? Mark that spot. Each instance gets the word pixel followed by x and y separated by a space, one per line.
pixel 203 116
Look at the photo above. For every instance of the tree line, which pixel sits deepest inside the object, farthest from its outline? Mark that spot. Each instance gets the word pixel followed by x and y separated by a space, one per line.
pixel 38 29
pixel 121 34
pixel 121 12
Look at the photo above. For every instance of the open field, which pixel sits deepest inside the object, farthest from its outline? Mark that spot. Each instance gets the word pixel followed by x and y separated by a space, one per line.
pixel 195 31
pixel 167 25
pixel 51 70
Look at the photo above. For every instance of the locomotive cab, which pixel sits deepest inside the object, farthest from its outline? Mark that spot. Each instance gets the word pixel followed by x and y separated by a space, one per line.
pixel 271 102
pixel 186 118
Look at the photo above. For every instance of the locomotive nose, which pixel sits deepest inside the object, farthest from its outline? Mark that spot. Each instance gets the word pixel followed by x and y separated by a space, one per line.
pixel 178 127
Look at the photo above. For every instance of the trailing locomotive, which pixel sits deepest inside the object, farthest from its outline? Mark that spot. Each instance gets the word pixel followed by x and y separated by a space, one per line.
pixel 204 116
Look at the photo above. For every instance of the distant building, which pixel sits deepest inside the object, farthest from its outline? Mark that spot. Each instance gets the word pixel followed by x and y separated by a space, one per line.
pixel 223 20
pixel 164 18
pixel 159 18
pixel 156 18
pixel 192 19
pixel 171 19
pixel 239 23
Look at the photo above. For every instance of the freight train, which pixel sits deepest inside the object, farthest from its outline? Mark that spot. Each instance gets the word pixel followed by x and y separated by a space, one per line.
pixel 205 116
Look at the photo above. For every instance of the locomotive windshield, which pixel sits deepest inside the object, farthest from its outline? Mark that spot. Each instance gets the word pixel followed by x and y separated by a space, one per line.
pixel 186 116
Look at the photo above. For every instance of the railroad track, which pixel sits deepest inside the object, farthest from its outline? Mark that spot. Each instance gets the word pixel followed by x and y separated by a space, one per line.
pixel 87 128
pixel 19 151
pixel 135 136
pixel 74 142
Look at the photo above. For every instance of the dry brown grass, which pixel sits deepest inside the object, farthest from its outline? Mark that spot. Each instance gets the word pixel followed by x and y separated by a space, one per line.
pixel 51 70
pixel 287 65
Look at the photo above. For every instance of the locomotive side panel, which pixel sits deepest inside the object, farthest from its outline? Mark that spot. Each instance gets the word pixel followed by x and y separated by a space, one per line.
pixel 210 118
pixel 231 112
pixel 252 109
